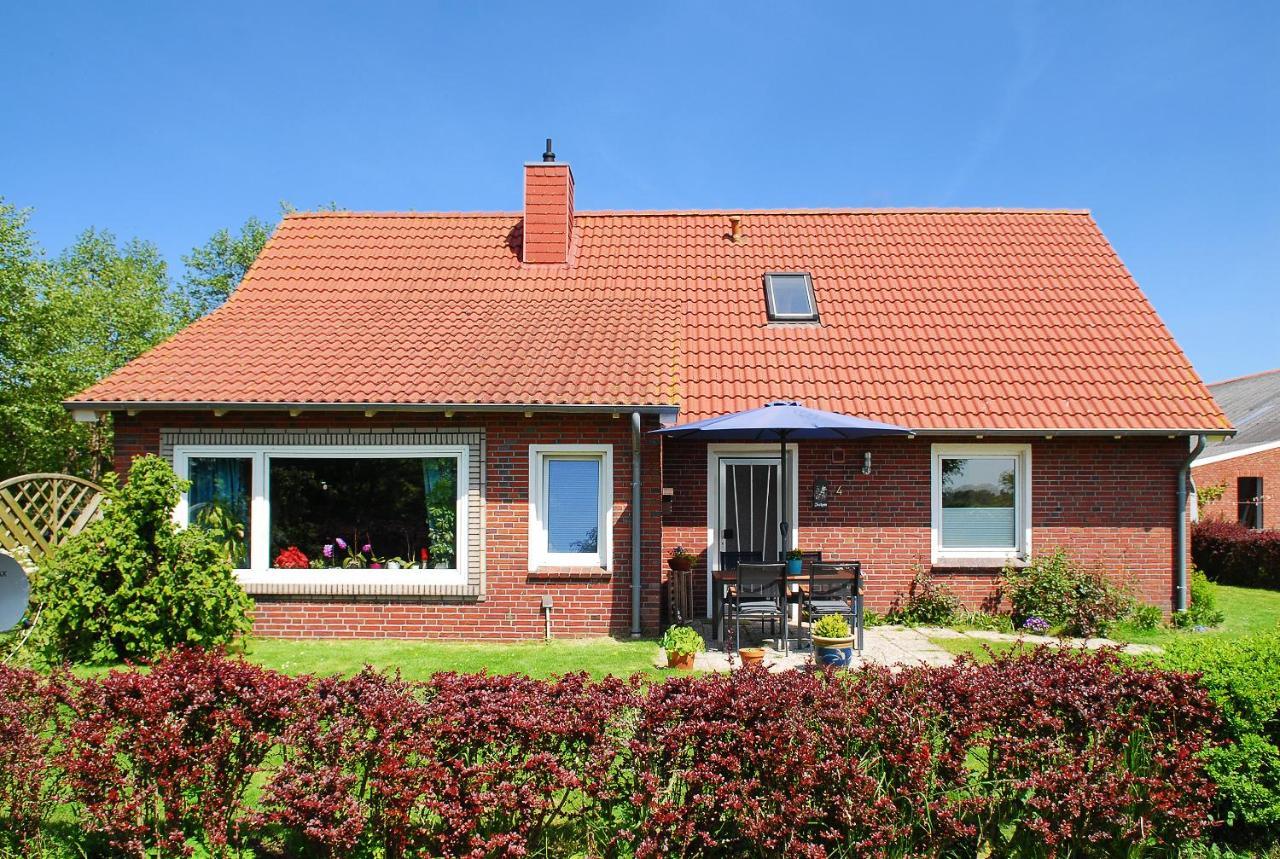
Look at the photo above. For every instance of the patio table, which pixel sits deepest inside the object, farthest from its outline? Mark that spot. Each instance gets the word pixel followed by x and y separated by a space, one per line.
pixel 723 579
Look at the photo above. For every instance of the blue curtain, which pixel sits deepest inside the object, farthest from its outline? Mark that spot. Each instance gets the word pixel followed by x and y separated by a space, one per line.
pixel 221 479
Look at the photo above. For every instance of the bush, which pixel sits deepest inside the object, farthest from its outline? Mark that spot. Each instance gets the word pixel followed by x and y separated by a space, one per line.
pixel 134 584
pixel 30 730
pixel 1049 754
pixel 1232 554
pixel 1145 617
pixel 1203 610
pixel 1242 676
pixel 928 603
pixel 1054 587
pixel 159 759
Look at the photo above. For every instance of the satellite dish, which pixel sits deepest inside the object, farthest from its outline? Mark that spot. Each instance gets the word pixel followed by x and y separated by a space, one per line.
pixel 14 591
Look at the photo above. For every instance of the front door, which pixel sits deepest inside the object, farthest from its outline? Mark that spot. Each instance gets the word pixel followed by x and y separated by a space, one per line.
pixel 750 504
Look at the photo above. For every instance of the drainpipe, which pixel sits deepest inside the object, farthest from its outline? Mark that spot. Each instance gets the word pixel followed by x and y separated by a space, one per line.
pixel 635 524
pixel 1180 590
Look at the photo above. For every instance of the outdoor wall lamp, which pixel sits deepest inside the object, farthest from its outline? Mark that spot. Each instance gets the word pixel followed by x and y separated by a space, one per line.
pixel 866 463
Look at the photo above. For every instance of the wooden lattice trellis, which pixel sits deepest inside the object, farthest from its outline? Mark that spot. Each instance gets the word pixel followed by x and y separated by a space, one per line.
pixel 39 511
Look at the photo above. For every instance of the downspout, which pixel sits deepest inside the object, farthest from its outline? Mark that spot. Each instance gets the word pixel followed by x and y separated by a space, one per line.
pixel 635 524
pixel 1180 590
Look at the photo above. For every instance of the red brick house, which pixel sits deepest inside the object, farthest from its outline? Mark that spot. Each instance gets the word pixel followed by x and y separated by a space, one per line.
pixel 1245 467
pixel 504 371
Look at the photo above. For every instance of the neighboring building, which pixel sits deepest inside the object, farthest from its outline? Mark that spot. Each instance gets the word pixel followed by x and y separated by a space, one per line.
pixel 471 392
pixel 1245 468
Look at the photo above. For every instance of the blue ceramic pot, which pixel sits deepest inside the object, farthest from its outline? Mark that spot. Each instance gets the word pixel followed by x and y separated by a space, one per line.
pixel 794 566
pixel 836 652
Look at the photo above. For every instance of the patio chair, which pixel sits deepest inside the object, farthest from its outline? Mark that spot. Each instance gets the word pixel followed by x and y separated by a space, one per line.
pixel 759 596
pixel 836 589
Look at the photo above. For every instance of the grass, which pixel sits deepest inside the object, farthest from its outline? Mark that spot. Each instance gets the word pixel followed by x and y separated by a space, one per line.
pixel 1247 610
pixel 418 660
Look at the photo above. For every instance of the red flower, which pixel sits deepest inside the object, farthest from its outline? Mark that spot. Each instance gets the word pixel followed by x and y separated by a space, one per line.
pixel 292 558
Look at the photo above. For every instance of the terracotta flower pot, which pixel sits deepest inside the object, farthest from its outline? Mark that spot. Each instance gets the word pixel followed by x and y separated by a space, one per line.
pixel 836 652
pixel 680 661
pixel 752 656
pixel 681 565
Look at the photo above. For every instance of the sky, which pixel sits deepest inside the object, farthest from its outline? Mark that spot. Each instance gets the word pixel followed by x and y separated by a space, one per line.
pixel 169 121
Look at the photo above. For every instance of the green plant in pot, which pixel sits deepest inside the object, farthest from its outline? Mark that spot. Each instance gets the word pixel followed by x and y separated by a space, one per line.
pixel 833 641
pixel 795 562
pixel 682 643
pixel 680 560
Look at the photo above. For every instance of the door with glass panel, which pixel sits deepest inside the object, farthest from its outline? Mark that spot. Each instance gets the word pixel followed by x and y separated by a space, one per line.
pixel 750 508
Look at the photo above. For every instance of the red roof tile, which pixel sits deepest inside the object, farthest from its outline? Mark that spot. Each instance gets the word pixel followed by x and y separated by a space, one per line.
pixel 933 319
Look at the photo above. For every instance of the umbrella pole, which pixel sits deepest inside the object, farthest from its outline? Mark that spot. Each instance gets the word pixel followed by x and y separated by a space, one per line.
pixel 785 527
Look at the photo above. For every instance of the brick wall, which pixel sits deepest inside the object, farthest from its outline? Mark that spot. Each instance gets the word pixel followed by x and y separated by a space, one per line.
pixel 1265 464
pixel 586 602
pixel 1111 502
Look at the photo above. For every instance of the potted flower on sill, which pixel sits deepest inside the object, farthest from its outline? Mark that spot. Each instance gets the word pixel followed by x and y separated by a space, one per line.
pixel 680 560
pixel 795 562
pixel 681 643
pixel 833 641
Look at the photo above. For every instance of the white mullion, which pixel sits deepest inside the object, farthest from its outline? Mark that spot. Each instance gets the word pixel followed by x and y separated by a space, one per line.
pixel 259 515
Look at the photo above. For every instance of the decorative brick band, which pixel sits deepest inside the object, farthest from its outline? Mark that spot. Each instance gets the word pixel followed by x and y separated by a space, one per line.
pixel 473 438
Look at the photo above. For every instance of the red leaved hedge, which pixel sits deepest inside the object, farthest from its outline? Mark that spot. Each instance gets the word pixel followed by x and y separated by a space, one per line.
pixel 1235 555
pixel 1054 753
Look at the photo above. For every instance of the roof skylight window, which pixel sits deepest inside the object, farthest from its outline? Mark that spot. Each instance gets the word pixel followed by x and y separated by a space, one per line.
pixel 790 297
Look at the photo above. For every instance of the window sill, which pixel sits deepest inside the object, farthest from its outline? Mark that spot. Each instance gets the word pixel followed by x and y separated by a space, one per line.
pixel 962 564
pixel 413 583
pixel 569 574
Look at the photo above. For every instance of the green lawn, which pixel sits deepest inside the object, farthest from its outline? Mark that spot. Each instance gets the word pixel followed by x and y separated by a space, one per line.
pixel 1247 610
pixel 417 660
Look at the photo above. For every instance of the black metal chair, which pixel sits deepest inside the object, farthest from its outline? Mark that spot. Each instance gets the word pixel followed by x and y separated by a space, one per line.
pixel 759 596
pixel 836 589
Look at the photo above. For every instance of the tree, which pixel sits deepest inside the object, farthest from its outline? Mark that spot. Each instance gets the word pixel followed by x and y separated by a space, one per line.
pixel 216 268
pixel 69 322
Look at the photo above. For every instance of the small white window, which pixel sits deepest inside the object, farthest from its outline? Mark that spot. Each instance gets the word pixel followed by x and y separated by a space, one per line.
pixel 570 504
pixel 790 297
pixel 981 501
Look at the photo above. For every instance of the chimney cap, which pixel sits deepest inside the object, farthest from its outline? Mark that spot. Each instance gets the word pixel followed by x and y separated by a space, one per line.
pixel 548 156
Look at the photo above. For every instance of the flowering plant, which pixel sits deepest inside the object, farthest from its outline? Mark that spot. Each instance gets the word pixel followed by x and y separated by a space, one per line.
pixel 1036 625
pixel 292 558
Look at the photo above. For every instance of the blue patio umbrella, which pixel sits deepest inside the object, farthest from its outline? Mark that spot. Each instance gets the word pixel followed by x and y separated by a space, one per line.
pixel 783 422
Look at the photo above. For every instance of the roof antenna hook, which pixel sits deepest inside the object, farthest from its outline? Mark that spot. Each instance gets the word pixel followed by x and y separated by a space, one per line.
pixel 548 155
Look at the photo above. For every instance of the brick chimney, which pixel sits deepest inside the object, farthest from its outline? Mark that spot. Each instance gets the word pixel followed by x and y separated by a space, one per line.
pixel 548 210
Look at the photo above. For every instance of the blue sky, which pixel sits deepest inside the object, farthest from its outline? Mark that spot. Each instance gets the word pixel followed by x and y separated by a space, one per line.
pixel 167 121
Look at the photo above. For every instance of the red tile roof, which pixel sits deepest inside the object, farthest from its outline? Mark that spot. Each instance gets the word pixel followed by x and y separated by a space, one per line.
pixel 932 319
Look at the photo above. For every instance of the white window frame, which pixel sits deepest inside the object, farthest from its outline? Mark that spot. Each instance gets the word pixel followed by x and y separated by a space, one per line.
pixel 260 570
pixel 539 555
pixel 1022 501
pixel 771 298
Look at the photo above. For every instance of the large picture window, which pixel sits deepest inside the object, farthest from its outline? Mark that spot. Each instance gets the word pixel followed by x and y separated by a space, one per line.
pixel 980 501
pixel 333 514
pixel 570 503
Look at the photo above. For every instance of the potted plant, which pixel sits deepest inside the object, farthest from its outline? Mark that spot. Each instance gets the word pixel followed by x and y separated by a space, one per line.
pixel 795 562
pixel 680 560
pixel 833 641
pixel 681 644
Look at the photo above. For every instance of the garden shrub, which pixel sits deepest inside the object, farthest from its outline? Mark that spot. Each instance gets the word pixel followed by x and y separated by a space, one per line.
pixel 1049 754
pixel 983 620
pixel 1242 676
pixel 463 765
pixel 928 603
pixel 1145 617
pixel 1203 610
pixel 134 584
pixel 30 730
pixel 1056 588
pixel 158 759
pixel 1232 554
